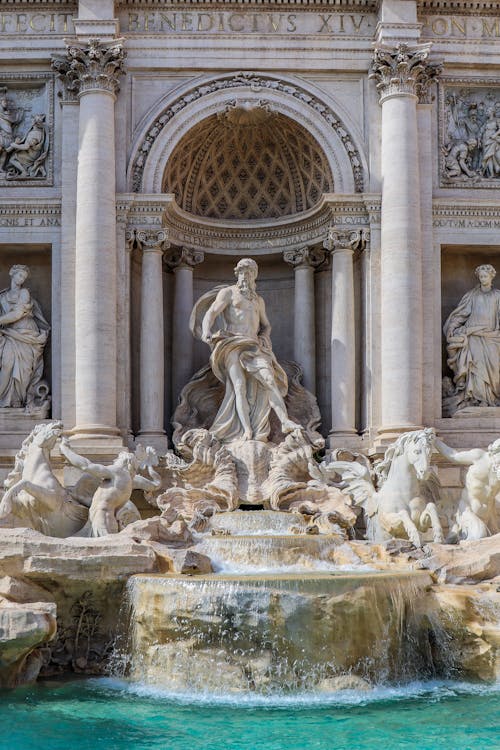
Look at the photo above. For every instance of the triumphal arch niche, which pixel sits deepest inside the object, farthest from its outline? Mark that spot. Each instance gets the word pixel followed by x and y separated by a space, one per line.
pixel 251 164
pixel 350 148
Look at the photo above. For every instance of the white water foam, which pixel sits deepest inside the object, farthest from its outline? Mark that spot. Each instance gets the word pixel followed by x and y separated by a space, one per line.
pixel 434 690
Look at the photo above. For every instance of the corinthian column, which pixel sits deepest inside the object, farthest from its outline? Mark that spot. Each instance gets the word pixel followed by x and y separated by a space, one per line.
pixel 401 75
pixel 92 71
pixel 182 261
pixel 342 244
pixel 304 261
pixel 152 367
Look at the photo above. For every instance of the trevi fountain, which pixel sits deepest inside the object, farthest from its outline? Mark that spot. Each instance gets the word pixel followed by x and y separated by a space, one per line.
pixel 249 374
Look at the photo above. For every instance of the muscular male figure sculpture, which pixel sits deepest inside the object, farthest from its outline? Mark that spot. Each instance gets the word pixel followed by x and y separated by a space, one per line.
pixel 236 327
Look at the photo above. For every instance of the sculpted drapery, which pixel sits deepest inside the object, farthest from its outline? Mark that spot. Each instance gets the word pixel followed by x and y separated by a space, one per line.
pixel 23 335
pixel 473 340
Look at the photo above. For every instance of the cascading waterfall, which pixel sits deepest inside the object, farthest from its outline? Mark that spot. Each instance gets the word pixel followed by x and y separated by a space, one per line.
pixel 277 554
pixel 278 633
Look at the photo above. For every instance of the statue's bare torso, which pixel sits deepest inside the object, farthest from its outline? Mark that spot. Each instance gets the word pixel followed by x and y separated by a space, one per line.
pixel 242 315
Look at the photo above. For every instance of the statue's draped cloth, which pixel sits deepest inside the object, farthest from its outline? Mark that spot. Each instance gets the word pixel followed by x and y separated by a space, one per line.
pixel 476 360
pixel 253 358
pixel 21 352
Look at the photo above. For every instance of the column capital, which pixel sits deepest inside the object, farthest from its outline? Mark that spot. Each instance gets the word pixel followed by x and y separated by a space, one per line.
pixel 305 257
pixel 403 70
pixel 184 257
pixel 341 239
pixel 94 67
pixel 151 240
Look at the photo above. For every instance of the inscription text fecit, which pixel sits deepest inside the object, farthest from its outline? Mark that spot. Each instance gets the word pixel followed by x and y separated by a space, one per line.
pixel 36 23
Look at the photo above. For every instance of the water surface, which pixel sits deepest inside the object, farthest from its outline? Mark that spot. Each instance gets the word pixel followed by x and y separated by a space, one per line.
pixel 104 713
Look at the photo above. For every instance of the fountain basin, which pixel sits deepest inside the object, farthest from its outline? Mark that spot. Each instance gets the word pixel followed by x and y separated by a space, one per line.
pixel 277 633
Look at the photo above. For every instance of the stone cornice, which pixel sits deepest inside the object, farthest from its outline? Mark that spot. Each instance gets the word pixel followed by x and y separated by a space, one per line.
pixel 13 4
pixel 31 209
pixel 255 237
pixel 464 7
pixel 330 5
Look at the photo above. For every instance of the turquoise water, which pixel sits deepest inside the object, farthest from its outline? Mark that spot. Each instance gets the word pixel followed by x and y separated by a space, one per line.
pixel 101 713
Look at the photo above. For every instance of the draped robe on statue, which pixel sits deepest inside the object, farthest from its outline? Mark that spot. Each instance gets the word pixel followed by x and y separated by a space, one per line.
pixel 253 358
pixel 21 351
pixel 473 336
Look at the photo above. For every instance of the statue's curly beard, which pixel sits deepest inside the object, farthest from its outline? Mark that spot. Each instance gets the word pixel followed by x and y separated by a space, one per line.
pixel 247 288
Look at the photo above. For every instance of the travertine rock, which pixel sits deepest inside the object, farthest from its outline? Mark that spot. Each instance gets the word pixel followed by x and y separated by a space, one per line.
pixel 158 529
pixel 191 562
pixel 24 552
pixel 470 617
pixel 466 562
pixel 24 629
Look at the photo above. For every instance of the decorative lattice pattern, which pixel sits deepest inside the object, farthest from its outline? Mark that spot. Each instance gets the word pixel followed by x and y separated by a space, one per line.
pixel 258 168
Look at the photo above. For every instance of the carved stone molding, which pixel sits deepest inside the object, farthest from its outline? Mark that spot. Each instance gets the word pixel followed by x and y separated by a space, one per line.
pixel 403 70
pixel 184 257
pixel 305 257
pixel 345 238
pixel 152 240
pixel 257 82
pixel 94 67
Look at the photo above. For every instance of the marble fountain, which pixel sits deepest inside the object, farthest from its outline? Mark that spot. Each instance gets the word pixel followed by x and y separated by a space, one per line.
pixel 264 564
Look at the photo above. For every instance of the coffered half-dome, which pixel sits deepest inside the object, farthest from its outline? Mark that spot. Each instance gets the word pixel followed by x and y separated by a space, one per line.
pixel 247 163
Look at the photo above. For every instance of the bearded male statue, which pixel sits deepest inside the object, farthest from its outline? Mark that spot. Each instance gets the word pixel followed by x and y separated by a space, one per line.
pixel 232 320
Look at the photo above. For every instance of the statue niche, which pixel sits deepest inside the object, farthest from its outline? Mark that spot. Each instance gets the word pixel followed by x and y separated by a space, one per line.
pixel 472 333
pixel 243 395
pixel 23 336
pixel 259 421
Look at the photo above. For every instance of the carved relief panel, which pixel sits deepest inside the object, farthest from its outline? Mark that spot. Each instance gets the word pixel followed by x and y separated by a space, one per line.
pixel 470 134
pixel 26 117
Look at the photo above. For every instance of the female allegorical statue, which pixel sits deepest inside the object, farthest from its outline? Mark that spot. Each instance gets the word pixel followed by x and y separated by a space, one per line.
pixel 23 335
pixel 473 340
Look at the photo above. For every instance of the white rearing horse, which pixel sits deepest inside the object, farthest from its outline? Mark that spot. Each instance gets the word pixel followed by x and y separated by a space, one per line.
pixel 402 504
pixel 35 498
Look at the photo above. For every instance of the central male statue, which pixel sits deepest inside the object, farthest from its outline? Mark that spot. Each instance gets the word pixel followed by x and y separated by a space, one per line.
pixel 232 320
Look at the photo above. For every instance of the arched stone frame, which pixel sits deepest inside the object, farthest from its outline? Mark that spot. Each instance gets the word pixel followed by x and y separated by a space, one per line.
pixel 175 114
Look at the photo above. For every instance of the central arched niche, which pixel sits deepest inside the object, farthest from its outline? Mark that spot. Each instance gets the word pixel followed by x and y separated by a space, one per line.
pixel 245 163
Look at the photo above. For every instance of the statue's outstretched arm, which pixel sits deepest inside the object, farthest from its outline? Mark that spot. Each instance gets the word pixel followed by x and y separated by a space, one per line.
pixel 465 458
pixel 97 470
pixel 142 483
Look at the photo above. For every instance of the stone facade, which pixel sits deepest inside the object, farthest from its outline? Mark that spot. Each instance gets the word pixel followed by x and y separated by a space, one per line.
pixel 349 147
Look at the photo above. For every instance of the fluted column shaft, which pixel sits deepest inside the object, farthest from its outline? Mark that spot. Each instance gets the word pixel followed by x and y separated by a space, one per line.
pixel 342 244
pixel 92 72
pixel 401 75
pixel 152 364
pixel 183 263
pixel 304 262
